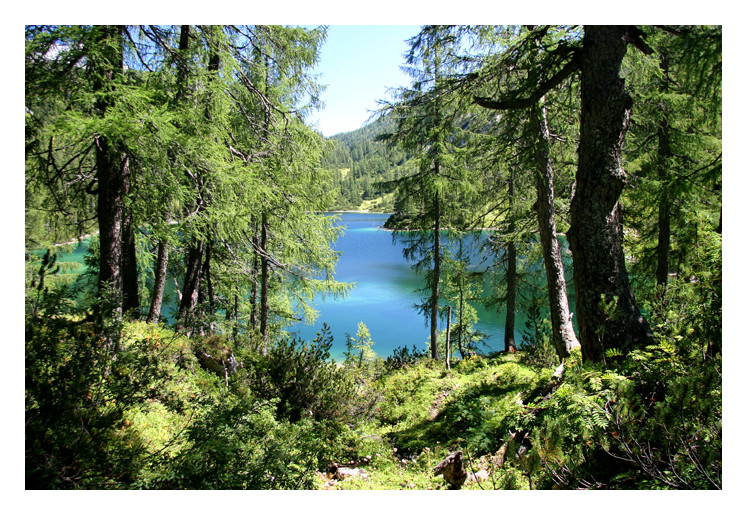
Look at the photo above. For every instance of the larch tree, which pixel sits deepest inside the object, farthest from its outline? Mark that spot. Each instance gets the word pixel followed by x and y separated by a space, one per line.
pixel 674 152
pixel 101 119
pixel 427 127
pixel 513 66
pixel 608 316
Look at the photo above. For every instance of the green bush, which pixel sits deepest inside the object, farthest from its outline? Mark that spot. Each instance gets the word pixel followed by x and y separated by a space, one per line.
pixel 301 379
pixel 653 421
pixel 402 357
pixel 237 443
pixel 77 393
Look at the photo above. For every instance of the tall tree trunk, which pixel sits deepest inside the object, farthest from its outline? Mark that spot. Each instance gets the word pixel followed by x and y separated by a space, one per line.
pixel 207 278
pixel 110 213
pixel 663 162
pixel 264 264
pixel 162 256
pixel 436 276
pixel 460 339
pixel 664 228
pixel 448 340
pixel 191 288
pixel 254 315
pixel 564 337
pixel 162 261
pixel 509 338
pixel 207 286
pixel 265 276
pixel 182 63
pixel 596 214
pixel 130 294
pixel 235 318
pixel 112 171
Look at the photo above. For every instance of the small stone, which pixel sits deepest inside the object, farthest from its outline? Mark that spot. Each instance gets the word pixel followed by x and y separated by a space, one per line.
pixel 480 475
pixel 345 472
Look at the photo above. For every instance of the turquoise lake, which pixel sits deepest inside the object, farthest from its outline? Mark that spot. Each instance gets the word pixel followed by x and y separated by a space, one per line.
pixel 384 295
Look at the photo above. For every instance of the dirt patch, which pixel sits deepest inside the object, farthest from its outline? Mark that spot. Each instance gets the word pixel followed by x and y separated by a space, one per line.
pixel 437 403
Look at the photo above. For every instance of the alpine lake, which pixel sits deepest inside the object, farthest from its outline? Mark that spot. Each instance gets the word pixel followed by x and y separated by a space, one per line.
pixel 384 295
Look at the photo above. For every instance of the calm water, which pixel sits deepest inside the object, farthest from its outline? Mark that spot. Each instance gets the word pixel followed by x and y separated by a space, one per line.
pixel 383 297
pixel 384 294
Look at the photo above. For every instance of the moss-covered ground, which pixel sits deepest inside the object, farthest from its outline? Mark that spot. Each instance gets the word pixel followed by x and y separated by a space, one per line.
pixel 425 412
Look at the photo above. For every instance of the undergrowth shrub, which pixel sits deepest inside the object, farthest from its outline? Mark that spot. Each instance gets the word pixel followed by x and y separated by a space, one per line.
pixel 77 393
pixel 653 421
pixel 402 357
pixel 301 379
pixel 538 350
pixel 237 443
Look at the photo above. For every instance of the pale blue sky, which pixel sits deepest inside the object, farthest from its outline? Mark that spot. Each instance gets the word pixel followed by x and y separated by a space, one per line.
pixel 358 63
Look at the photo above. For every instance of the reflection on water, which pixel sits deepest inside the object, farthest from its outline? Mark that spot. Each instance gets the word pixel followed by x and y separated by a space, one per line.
pixel 385 293
pixel 383 298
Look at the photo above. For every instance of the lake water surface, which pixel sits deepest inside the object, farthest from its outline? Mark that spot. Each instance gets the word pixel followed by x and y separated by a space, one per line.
pixel 384 294
pixel 383 298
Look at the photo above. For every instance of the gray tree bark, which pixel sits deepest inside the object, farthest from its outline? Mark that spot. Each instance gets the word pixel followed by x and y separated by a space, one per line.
pixel 596 233
pixel 162 261
pixel 564 336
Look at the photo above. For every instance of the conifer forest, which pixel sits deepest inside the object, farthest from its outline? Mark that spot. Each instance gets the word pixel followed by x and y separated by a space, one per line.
pixel 182 219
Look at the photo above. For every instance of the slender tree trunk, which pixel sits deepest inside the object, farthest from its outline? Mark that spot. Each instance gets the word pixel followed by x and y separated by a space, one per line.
pixel 182 63
pixel 130 294
pixel 436 276
pixel 206 287
pixel 162 256
pixel 264 264
pixel 448 340
pixel 263 294
pixel 509 338
pixel 596 214
pixel 191 288
pixel 206 269
pixel 664 156
pixel 195 258
pixel 254 315
pixel 235 319
pixel 112 171
pixel 159 284
pixel 460 339
pixel 564 336
pixel 663 243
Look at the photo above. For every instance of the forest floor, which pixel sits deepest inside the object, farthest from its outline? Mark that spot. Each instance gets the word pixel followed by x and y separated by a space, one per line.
pixel 427 412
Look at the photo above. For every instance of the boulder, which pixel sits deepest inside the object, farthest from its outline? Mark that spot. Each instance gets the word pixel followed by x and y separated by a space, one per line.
pixel 345 472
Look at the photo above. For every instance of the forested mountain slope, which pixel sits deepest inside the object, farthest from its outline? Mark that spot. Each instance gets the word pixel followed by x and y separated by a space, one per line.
pixel 359 163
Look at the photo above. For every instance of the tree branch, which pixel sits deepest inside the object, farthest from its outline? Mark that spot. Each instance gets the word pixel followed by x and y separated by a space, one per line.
pixel 542 88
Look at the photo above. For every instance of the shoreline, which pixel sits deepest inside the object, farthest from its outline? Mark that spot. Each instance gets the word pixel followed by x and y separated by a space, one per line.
pixel 77 240
pixel 359 211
